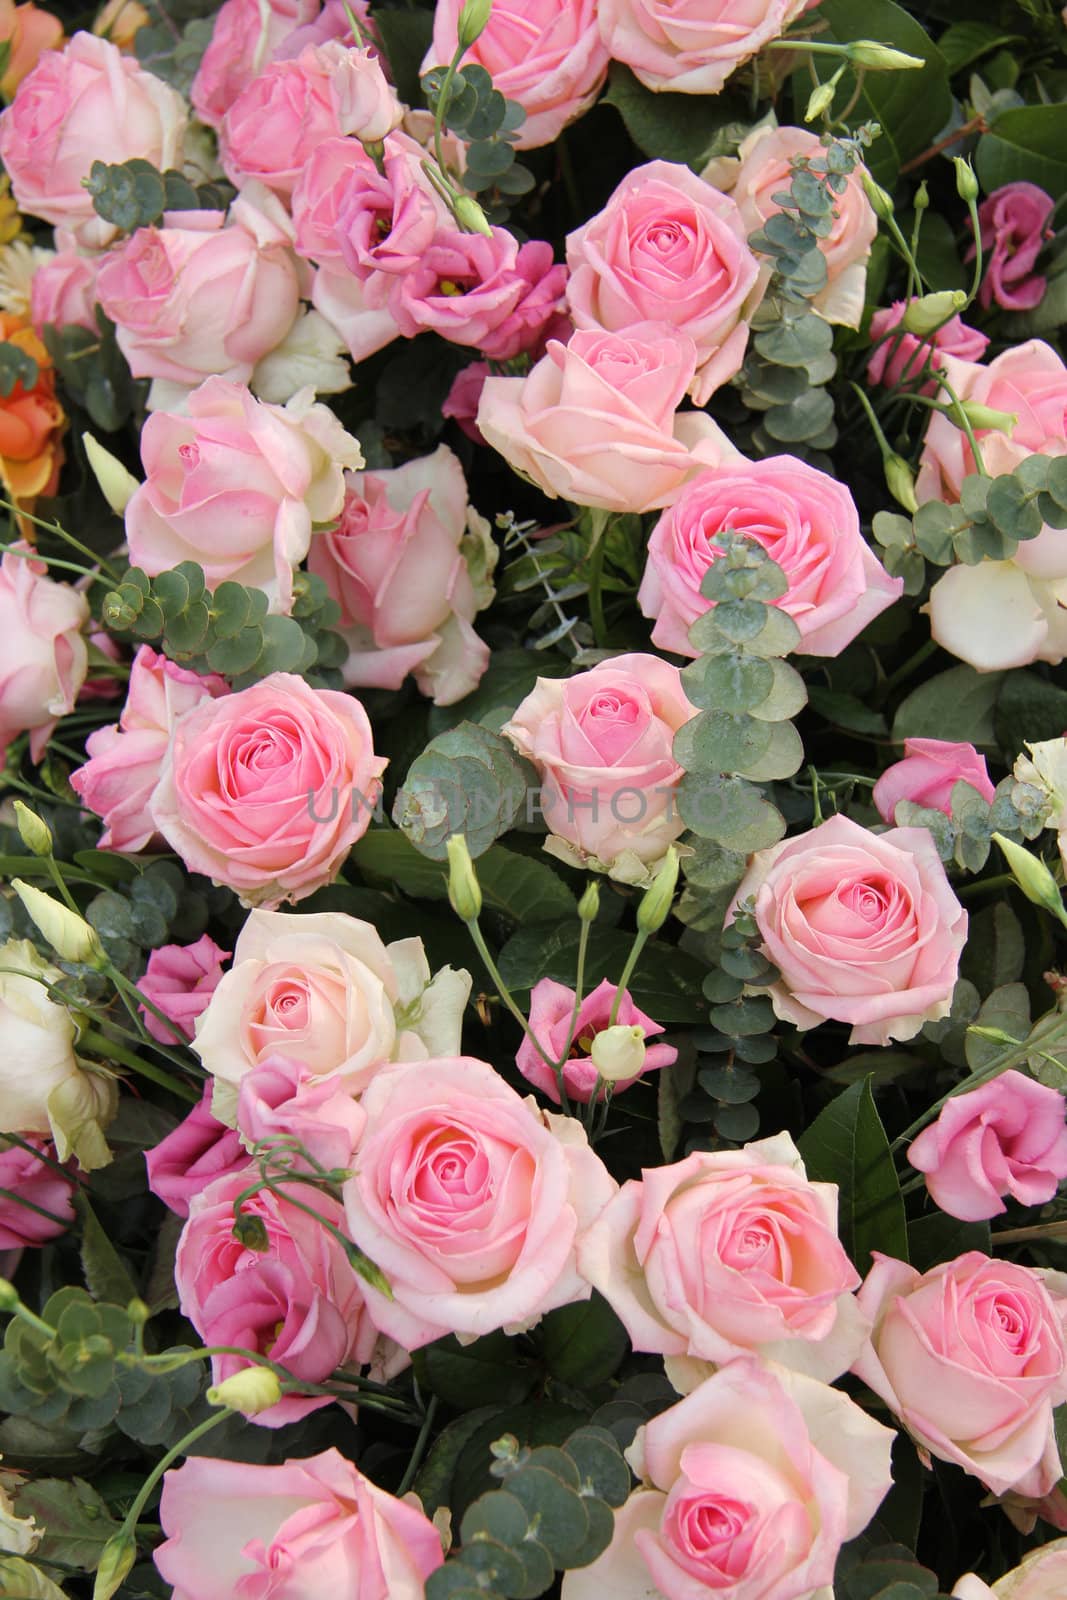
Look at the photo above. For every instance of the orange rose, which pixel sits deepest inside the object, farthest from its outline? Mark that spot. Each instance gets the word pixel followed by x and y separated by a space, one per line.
pixel 26 32
pixel 31 421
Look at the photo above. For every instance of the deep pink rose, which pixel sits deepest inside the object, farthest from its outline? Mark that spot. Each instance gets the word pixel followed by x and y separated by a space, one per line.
pixel 970 1357
pixel 899 357
pixel 749 1487
pixel 396 564
pixel 299 1301
pixel 929 772
pixel 85 103
pixel 43 655
pixel 247 35
pixel 596 419
pixel 315 1525
pixel 1005 1137
pixel 669 248
pixel 551 1011
pixel 119 779
pixel 545 54
pixel 180 980
pixel 602 742
pixel 278 120
pixel 691 46
pixel 491 293
pixel 283 1100
pixel 203 296
pixel 727 1253
pixel 237 485
pixel 199 1150
pixel 463 399
pixel 63 292
pixel 805 520
pixel 49 1210
pixel 863 927
pixel 267 790
pixel 470 1201
pixel 1014 225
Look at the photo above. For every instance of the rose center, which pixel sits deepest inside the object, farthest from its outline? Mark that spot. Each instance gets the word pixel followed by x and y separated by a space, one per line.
pixel 866 901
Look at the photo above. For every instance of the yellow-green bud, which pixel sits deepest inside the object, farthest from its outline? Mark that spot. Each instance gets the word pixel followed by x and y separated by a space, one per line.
pixel 463 890
pixel 618 1052
pixel 138 1312
pixel 35 834
pixel 470 216
pixel 116 484
pixel 900 481
pixel 250 1391
pixel 1033 877
pixel 70 935
pixel 922 197
pixel 881 201
pixel 589 904
pixel 983 417
pixel 966 182
pixel 930 311
pixel 821 98
pixel 655 906
pixel 116 1559
pixel 867 53
pixel 472 21
pixel 9 1296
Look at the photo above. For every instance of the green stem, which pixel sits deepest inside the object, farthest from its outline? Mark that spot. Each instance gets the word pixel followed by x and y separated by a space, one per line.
pixel 61 533
pixel 420 1449
pixel 640 940
pixel 109 1049
pixel 960 416
pixel 442 107
pixel 905 670
pixel 1001 881
pixel 596 590
pixel 504 992
pixel 133 1515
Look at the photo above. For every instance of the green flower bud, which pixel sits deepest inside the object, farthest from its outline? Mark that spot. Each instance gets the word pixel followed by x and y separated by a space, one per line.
pixel 463 891
pixel 251 1231
pixel 9 1296
pixel 1033 877
pixel 589 904
pixel 70 935
pixel 881 201
pixel 900 481
pixel 35 834
pixel 966 182
pixel 922 197
pixel 116 1559
pixel 250 1391
pixel 470 216
pixel 866 53
pixel 472 21
pixel 618 1052
pixel 930 311
pixel 984 417
pixel 821 98
pixel 116 484
pixel 656 901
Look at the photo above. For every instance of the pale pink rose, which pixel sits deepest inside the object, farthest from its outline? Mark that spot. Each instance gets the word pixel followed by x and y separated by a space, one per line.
pixel 669 248
pixel 238 793
pixel 247 35
pixel 728 1253
pixel 762 173
pixel 551 1013
pixel 277 122
pixel 119 780
pixel 750 1486
pixel 316 1524
pixel 1014 225
pixel 323 991
pixel 491 293
pixel 463 399
pixel 236 485
pixel 602 743
pixel 1000 614
pixel 334 21
pixel 85 103
pixel 545 54
pixel 299 1301
pixel 49 1210
pixel 899 357
pixel 364 102
pixel 43 655
pixel 1042 1575
pixel 180 980
pixel 970 1357
pixel 805 520
pixel 595 420
pixel 470 1200
pixel 863 927
pixel 282 1101
pixel 199 1150
pixel 203 296
pixel 395 565
pixel 1005 1137
pixel 929 772
pixel 63 292
pixel 691 46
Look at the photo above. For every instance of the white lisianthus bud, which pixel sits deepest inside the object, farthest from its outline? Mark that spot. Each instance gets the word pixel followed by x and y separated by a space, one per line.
pixel 463 890
pixel 70 935
pixel 655 906
pixel 927 313
pixel 35 834
pixel 116 484
pixel 1033 877
pixel 618 1053
pixel 250 1391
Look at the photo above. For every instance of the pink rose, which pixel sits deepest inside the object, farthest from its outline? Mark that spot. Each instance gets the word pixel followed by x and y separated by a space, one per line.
pixel 898 357
pixel 602 742
pixel 48 1210
pixel 118 781
pixel 545 54
pixel 929 772
pixel 470 1201
pixel 805 520
pixel 364 102
pixel 669 248
pixel 43 655
pixel 317 1525
pixel 551 1012
pixel 463 399
pixel 1014 224
pixel 237 485
pixel 63 292
pixel 276 123
pixel 395 563
pixel 243 776
pixel 199 1150
pixel 970 1357
pixel 283 1102
pixel 247 34
pixel 85 103
pixel 863 927
pixel 750 1486
pixel 298 1301
pixel 1005 1137
pixel 209 297
pixel 691 46
pixel 595 420
pixel 180 980
pixel 728 1253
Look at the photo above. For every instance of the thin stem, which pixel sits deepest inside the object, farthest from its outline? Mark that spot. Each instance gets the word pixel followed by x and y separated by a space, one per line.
pixel 133 1515
pixel 1001 881
pixel 31 1205
pixel 960 416
pixel 61 533
pixel 420 1449
pixel 640 940
pixel 505 993
pixel 977 124
pixel 906 668
pixel 110 1049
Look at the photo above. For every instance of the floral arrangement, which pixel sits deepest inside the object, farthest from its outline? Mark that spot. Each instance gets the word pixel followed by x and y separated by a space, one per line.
pixel 533 951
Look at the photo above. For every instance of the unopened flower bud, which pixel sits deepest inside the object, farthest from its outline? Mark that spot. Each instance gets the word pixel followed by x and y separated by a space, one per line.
pixel 655 906
pixel 930 311
pixel 463 890
pixel 70 935
pixel 250 1391
pixel 821 98
pixel 881 201
pixel 900 481
pixel 618 1052
pixel 1033 877
pixel 472 21
pixel 966 182
pixel 116 1559
pixel 116 484
pixel 922 197
pixel 35 834
pixel 251 1232
pixel 470 216
pixel 984 417
pixel 589 904
pixel 9 1296
pixel 867 53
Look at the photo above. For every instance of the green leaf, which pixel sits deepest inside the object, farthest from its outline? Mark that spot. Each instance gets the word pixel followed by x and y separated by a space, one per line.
pixel 666 984
pixel 518 887
pixel 75 1518
pixel 1008 1010
pixel 670 127
pixel 1030 708
pixel 23 1581
pixel 966 42
pixel 582 1344
pixel 434 1482
pixel 847 1145
pixel 937 1237
pixel 845 711
pixel 1025 143
pixel 995 949
pixel 955 705
pixel 487 1372
pixel 105 1272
